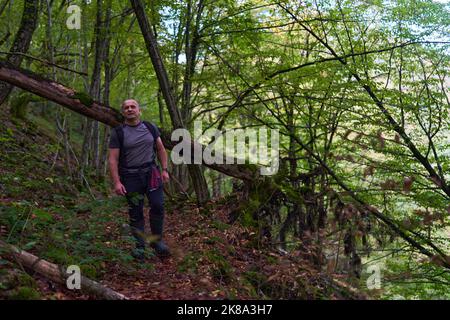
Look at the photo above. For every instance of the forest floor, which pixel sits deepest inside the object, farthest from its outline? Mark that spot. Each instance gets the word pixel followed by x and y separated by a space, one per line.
pixel 42 212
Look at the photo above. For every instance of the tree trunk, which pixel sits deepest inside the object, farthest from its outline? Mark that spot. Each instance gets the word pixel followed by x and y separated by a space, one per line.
pixel 92 137
pixel 61 125
pixel 22 41
pixel 160 108
pixel 3 6
pixel 56 273
pixel 86 147
pixel 101 168
pixel 94 91
pixel 217 178
pixel 198 179
pixel 191 49
pixel 87 123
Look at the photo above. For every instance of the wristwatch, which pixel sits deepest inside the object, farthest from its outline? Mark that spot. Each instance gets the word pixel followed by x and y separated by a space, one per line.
pixel 165 169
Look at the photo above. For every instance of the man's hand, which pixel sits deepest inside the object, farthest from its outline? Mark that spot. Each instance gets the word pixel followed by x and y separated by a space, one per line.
pixel 119 189
pixel 162 155
pixel 165 176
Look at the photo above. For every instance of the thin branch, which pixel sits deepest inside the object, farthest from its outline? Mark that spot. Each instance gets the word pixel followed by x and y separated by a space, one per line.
pixel 395 126
pixel 48 63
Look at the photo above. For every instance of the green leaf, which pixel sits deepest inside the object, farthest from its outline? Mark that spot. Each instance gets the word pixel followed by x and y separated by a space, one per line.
pixel 42 215
pixel 29 245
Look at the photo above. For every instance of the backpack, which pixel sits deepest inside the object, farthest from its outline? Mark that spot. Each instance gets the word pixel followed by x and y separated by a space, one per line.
pixel 119 131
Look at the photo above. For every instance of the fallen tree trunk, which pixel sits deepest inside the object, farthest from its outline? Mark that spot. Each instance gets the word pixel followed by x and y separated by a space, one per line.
pixel 82 103
pixel 56 273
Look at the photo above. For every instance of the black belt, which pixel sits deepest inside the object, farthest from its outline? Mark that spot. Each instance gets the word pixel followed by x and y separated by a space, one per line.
pixel 142 166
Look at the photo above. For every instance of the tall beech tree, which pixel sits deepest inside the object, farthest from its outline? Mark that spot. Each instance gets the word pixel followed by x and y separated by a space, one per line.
pixel 22 40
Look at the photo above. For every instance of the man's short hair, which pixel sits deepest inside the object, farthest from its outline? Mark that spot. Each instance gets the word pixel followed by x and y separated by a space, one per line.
pixel 130 101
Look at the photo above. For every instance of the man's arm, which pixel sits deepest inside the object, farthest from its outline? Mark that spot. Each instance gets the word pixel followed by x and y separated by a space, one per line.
pixel 162 156
pixel 113 160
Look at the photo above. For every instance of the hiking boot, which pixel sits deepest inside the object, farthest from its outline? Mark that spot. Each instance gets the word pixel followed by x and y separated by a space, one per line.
pixel 138 254
pixel 156 226
pixel 161 249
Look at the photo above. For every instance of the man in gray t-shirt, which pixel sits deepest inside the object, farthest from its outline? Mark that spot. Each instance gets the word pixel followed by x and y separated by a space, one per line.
pixel 134 172
pixel 138 145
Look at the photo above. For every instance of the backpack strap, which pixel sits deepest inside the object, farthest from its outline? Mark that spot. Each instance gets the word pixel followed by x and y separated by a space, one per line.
pixel 152 128
pixel 119 133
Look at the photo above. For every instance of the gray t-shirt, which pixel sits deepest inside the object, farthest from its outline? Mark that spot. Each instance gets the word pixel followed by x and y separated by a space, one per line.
pixel 138 143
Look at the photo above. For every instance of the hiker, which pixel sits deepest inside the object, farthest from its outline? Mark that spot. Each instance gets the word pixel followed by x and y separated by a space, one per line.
pixel 133 147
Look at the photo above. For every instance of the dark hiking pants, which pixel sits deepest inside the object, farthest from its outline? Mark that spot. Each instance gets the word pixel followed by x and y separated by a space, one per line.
pixel 136 185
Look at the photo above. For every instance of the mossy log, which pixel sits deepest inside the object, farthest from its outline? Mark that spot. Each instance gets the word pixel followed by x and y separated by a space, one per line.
pixel 56 273
pixel 83 104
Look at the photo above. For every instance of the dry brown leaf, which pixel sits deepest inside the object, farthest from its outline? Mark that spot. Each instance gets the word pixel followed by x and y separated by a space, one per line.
pixel 407 184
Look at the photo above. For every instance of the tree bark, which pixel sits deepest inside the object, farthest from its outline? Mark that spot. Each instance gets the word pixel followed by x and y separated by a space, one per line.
pixel 217 184
pixel 101 167
pixel 3 6
pixel 56 273
pixel 92 135
pixel 86 126
pixel 61 125
pixel 158 64
pixel 191 49
pixel 191 38
pixel 22 41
